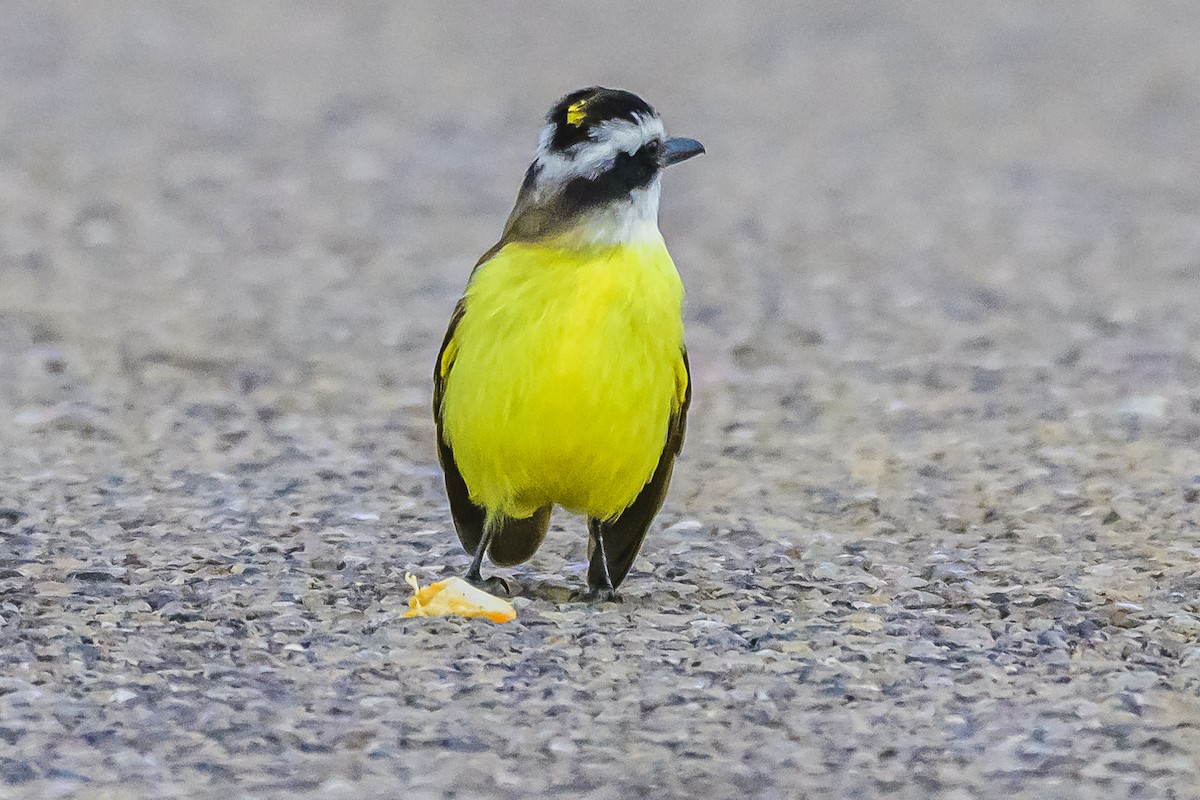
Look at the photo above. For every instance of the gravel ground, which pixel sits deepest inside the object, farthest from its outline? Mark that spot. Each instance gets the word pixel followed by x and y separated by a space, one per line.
pixel 935 529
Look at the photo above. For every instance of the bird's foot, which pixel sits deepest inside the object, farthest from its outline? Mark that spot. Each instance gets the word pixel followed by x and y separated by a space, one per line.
pixel 493 585
pixel 603 594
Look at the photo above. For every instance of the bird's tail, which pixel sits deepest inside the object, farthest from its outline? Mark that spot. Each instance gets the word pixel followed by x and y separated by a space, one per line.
pixel 514 540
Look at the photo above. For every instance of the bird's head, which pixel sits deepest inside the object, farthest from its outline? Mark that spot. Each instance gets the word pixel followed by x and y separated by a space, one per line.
pixel 598 168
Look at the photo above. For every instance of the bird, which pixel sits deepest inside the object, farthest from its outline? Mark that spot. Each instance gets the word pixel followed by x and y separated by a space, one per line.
pixel 563 377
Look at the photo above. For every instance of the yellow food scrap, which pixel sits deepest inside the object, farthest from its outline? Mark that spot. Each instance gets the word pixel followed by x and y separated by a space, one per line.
pixel 454 597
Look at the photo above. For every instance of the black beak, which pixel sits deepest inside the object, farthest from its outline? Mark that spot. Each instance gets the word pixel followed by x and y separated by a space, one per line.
pixel 678 149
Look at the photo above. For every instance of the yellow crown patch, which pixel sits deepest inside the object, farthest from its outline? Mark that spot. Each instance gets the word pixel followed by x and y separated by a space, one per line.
pixel 577 113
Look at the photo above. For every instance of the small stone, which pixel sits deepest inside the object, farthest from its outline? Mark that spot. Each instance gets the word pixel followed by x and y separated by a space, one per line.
pixel 953 523
pixel 121 696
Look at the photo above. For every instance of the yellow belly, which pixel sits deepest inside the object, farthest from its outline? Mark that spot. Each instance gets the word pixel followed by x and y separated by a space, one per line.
pixel 566 369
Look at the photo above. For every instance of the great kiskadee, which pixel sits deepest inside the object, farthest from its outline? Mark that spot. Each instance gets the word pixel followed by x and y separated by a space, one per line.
pixel 563 378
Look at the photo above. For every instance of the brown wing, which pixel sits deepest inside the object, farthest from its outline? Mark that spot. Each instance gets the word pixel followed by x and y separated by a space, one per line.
pixel 623 535
pixel 468 517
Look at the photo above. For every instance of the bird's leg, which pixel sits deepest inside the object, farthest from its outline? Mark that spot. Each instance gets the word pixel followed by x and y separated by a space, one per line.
pixel 494 584
pixel 473 574
pixel 600 585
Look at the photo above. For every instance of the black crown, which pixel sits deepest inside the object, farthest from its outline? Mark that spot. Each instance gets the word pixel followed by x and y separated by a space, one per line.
pixel 575 116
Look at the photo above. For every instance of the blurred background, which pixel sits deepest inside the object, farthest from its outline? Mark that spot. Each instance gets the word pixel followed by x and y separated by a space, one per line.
pixel 941 265
pixel 976 209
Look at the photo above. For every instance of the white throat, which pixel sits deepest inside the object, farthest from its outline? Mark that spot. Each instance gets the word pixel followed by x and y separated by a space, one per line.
pixel 626 221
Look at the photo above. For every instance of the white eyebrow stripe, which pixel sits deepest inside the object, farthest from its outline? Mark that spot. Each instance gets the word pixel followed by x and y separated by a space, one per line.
pixel 591 157
pixel 627 136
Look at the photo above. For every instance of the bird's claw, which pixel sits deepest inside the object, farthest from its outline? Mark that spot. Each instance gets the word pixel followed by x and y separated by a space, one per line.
pixel 601 595
pixel 493 585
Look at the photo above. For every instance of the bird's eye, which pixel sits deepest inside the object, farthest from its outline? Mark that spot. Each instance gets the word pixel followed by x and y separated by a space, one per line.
pixel 653 146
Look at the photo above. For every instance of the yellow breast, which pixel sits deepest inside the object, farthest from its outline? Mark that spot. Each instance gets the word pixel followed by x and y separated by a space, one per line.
pixel 566 367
